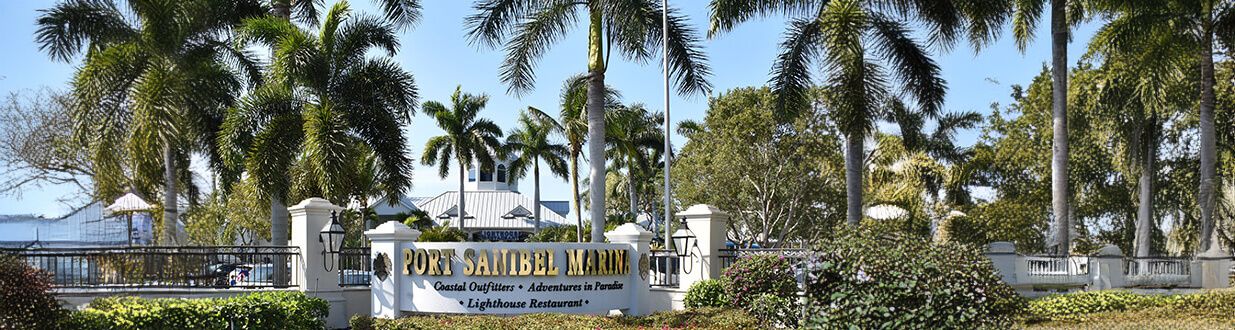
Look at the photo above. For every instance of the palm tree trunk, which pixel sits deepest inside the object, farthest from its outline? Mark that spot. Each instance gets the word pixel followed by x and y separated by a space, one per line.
pixel 462 172
pixel 278 221
pixel 1208 140
pixel 1059 124
pixel 281 9
pixel 574 194
pixel 170 213
pixel 1144 213
pixel 634 197
pixel 853 177
pixel 596 125
pixel 536 193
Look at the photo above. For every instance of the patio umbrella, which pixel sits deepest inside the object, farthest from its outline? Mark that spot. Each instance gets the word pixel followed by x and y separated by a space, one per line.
pixel 128 204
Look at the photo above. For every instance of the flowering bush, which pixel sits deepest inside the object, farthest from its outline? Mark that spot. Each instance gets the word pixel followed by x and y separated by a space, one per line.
pixel 706 293
pixel 752 276
pixel 776 311
pixel 25 299
pixel 865 279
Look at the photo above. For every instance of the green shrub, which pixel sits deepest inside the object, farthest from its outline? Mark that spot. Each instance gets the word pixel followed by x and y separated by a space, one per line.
pixel 752 276
pixel 706 293
pixel 701 318
pixel 443 233
pixel 1083 306
pixel 777 311
pixel 26 301
pixel 562 234
pixel 865 279
pixel 262 310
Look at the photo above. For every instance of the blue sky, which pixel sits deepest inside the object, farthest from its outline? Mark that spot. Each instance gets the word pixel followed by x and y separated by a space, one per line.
pixel 437 53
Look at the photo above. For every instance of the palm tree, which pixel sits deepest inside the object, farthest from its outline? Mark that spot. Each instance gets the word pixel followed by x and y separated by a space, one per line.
pixel 1065 15
pixel 323 108
pixel 530 145
pixel 574 122
pixel 468 140
pixel 632 132
pixel 154 84
pixel 857 44
pixel 400 13
pixel 1195 26
pixel 633 28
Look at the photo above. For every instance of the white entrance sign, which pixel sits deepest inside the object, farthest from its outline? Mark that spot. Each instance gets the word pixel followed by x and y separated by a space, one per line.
pixel 515 278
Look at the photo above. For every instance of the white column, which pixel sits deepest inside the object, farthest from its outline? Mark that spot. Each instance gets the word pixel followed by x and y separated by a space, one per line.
pixel 1003 257
pixel 388 240
pixel 307 220
pixel 1215 268
pixel 640 245
pixel 709 225
pixel 1106 269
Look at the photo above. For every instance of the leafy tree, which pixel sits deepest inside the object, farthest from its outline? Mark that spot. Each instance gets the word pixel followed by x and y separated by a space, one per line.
pixel 400 13
pixel 37 146
pixel 530 145
pixel 325 104
pixel 633 28
pixel 154 82
pixel 634 143
pixel 858 45
pixel 778 182
pixel 469 140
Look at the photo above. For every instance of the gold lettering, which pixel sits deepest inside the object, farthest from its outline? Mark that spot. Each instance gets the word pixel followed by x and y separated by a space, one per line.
pixel 574 261
pixel 540 263
pixel 435 258
pixel 525 262
pixel 553 271
pixel 591 262
pixel 447 256
pixel 483 263
pixel 623 262
pixel 469 266
pixel 602 263
pixel 407 261
pixel 420 262
pixel 499 262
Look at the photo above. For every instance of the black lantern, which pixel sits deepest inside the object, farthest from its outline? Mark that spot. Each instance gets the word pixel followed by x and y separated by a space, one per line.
pixel 683 241
pixel 331 238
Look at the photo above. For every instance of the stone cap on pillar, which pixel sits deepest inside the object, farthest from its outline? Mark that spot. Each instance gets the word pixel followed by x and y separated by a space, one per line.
pixel 313 204
pixel 1214 252
pixel 1001 248
pixel 393 231
pixel 704 211
pixel 1110 251
pixel 628 233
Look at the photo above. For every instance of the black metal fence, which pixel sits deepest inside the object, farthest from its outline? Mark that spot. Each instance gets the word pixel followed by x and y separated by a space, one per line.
pixel 355 267
pixel 166 267
pixel 664 269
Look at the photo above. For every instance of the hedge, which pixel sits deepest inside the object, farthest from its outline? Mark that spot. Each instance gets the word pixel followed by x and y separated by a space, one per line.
pixel 701 318
pixel 262 310
pixel 1084 306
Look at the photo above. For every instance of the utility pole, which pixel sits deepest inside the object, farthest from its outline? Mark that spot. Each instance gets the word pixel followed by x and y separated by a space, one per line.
pixel 664 45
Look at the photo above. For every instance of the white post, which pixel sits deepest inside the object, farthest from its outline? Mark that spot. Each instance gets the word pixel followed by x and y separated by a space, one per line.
pixel 1215 268
pixel 709 226
pixel 1106 270
pixel 640 245
pixel 307 220
pixel 1003 257
pixel 386 242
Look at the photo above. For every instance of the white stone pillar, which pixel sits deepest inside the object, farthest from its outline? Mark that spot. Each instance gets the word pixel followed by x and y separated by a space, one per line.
pixel 640 246
pixel 1215 268
pixel 388 240
pixel 307 220
pixel 1106 270
pixel 710 226
pixel 1003 257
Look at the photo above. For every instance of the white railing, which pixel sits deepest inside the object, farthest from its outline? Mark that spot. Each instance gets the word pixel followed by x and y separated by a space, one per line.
pixel 1159 272
pixel 1056 270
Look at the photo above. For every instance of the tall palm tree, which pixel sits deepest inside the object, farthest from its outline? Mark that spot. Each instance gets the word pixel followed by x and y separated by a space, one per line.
pixel 401 13
pixel 633 28
pixel 154 83
pixel 530 145
pixel 857 45
pixel 469 140
pixel 1193 26
pixel 632 132
pixel 940 166
pixel 1065 15
pixel 324 106
pixel 574 122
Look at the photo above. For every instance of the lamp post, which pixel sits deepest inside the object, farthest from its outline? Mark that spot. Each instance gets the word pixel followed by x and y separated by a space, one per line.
pixel 331 238
pixel 683 241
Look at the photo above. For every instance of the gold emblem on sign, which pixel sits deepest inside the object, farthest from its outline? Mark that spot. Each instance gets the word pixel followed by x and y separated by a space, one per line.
pixel 381 266
pixel 645 266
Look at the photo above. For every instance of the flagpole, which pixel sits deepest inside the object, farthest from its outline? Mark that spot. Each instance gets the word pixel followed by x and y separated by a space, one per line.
pixel 664 20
